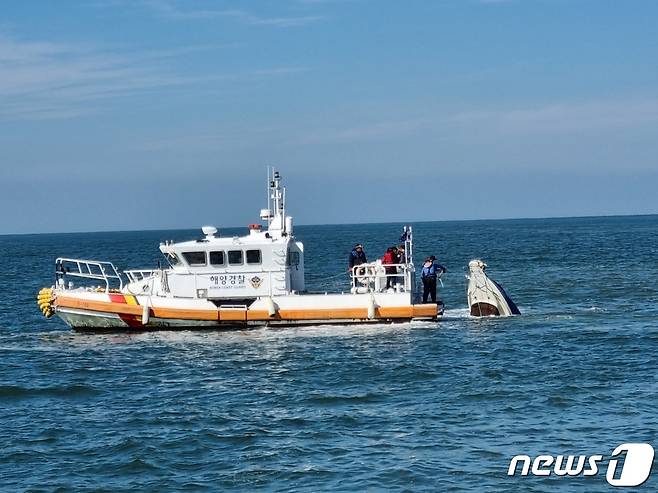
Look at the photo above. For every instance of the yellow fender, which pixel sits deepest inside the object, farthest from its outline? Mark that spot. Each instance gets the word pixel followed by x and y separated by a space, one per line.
pixel 45 300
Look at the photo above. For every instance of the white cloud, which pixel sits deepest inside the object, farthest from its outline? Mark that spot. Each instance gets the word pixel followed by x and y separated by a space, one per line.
pixel 563 117
pixel 170 10
pixel 371 131
pixel 51 80
pixel 546 120
pixel 42 80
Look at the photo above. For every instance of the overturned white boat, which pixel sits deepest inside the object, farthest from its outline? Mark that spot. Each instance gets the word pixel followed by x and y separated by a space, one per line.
pixel 485 296
pixel 231 281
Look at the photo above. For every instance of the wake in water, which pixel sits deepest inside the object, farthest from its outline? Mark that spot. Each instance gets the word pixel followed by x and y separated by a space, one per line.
pixel 53 339
pixel 456 314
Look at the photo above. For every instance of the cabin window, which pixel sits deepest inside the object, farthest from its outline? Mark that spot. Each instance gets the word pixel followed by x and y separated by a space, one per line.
pixel 293 258
pixel 195 259
pixel 235 257
pixel 172 258
pixel 216 258
pixel 253 257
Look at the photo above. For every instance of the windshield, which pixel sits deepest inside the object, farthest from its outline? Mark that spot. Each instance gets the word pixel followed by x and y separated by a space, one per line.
pixel 172 258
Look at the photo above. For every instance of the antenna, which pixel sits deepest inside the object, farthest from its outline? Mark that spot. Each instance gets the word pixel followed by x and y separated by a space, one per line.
pixel 277 195
pixel 268 214
pixel 276 201
pixel 283 209
pixel 267 188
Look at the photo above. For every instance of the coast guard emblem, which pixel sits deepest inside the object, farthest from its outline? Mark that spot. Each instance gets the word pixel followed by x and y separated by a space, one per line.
pixel 256 282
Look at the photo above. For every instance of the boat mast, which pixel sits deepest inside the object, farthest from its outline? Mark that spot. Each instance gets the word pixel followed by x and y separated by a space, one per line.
pixel 275 214
pixel 267 194
pixel 277 194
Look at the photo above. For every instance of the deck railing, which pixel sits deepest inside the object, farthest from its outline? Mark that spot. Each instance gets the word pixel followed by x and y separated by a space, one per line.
pixel 366 275
pixel 87 269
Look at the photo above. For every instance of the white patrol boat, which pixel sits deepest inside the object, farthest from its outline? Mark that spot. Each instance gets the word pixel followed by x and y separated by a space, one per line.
pixel 233 282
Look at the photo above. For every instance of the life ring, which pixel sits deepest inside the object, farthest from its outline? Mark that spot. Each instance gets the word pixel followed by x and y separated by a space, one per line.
pixel 364 274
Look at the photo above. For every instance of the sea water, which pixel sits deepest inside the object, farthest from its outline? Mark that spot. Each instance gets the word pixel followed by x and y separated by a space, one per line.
pixel 405 407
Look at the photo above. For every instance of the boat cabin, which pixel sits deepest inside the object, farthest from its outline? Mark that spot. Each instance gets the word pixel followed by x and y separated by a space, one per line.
pixel 262 263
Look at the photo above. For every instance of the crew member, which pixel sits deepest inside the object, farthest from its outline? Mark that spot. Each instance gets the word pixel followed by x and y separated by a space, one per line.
pixel 357 257
pixel 430 273
pixel 390 257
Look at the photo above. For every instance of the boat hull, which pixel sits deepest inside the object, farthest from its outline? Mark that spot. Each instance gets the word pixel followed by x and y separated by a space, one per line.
pixel 84 310
pixel 487 298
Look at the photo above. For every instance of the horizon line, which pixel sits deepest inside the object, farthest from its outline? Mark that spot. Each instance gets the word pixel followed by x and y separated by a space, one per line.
pixel 346 224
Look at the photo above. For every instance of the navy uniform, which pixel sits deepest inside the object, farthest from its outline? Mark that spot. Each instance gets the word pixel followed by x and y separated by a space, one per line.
pixel 357 256
pixel 429 276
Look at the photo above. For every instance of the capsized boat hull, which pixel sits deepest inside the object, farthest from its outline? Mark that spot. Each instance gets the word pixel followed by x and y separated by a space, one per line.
pixel 88 310
pixel 485 296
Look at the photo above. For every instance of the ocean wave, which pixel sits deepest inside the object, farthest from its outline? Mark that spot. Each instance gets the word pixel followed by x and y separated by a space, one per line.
pixel 61 391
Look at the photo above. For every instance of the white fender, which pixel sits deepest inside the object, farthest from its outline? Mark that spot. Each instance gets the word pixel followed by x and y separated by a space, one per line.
pixel 272 308
pixel 372 306
pixel 145 314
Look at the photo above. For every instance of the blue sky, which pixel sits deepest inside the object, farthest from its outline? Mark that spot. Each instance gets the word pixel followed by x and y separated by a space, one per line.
pixel 151 114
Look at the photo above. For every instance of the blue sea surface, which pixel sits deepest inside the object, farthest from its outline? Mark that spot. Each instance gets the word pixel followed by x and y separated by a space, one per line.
pixel 404 407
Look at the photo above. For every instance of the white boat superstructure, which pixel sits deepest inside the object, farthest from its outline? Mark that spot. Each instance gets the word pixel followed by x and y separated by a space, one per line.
pixel 235 281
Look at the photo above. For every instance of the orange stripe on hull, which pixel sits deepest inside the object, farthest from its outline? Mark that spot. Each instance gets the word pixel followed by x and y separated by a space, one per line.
pixel 184 314
pixel 233 315
pixel 426 310
pixel 260 315
pixel 237 315
pixel 119 308
pixel 324 314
